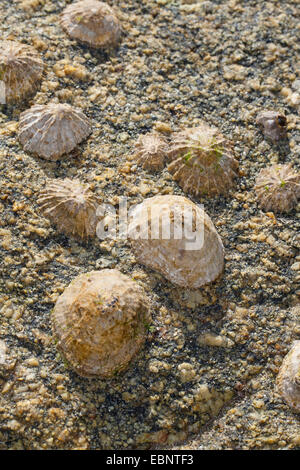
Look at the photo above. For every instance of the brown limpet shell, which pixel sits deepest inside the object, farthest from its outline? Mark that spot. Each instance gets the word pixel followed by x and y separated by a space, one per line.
pixel 190 259
pixel 52 130
pixel 150 151
pixel 201 161
pixel 92 22
pixel 21 70
pixel 101 321
pixel 71 206
pixel 278 188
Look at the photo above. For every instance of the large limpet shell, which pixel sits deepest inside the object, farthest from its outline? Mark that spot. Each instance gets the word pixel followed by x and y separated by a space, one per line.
pixel 202 161
pixel 52 130
pixel 92 22
pixel 21 70
pixel 288 379
pixel 184 261
pixel 101 322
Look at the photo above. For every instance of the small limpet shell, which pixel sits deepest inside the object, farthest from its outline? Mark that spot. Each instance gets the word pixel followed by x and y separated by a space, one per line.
pixel 92 22
pixel 150 151
pixel 101 322
pixel 202 161
pixel 278 188
pixel 52 130
pixel 288 379
pixel 71 206
pixel 192 257
pixel 272 125
pixel 21 70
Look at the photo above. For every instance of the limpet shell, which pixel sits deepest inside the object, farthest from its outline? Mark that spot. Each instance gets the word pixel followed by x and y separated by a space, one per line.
pixel 183 261
pixel 150 151
pixel 202 161
pixel 52 130
pixel 278 188
pixel 92 22
pixel 71 206
pixel 288 379
pixel 101 322
pixel 21 70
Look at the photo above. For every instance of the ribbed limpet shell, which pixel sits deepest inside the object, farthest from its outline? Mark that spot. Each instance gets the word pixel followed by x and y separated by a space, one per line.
pixel 92 22
pixel 288 379
pixel 101 321
pixel 21 70
pixel 186 261
pixel 278 188
pixel 202 161
pixel 52 130
pixel 71 206
pixel 150 151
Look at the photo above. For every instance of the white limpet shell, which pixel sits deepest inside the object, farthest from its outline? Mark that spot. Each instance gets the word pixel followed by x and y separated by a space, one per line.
pixel 100 322
pixel 21 70
pixel 150 151
pixel 288 379
pixel 71 206
pixel 193 259
pixel 92 22
pixel 52 130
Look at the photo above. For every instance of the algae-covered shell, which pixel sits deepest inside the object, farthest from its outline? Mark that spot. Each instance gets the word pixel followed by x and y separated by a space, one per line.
pixel 150 151
pixel 288 379
pixel 71 206
pixel 175 237
pixel 202 161
pixel 272 125
pixel 278 188
pixel 52 130
pixel 21 70
pixel 92 22
pixel 101 322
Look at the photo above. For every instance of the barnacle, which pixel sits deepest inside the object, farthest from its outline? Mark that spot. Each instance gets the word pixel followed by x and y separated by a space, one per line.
pixel 202 161
pixel 92 22
pixel 175 237
pixel 288 379
pixel 150 151
pixel 52 130
pixel 100 322
pixel 71 206
pixel 21 70
pixel 272 124
pixel 278 188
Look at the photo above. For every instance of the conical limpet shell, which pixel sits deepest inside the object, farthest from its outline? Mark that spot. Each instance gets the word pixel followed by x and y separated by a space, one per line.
pixel 288 379
pixel 52 130
pixel 278 188
pixel 202 161
pixel 92 22
pixel 191 258
pixel 71 206
pixel 21 70
pixel 101 322
pixel 150 151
